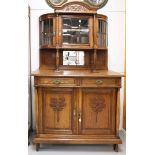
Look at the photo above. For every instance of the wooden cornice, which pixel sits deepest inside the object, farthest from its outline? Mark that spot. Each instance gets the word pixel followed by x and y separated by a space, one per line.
pixel 75 7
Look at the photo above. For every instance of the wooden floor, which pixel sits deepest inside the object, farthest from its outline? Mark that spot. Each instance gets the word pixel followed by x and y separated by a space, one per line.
pixel 79 149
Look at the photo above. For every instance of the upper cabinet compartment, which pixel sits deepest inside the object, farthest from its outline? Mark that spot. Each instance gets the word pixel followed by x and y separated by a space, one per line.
pixel 47 31
pixel 74 25
pixel 102 34
pixel 72 31
pixel 76 30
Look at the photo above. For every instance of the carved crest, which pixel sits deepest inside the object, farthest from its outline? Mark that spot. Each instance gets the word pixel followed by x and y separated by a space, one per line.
pixel 75 8
pixel 97 105
pixel 58 105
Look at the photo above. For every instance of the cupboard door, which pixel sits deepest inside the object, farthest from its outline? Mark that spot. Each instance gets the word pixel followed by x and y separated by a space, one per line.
pixel 47 32
pixel 57 110
pixel 98 111
pixel 102 33
pixel 76 30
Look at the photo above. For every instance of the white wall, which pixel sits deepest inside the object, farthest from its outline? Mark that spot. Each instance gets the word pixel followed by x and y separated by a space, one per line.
pixel 115 10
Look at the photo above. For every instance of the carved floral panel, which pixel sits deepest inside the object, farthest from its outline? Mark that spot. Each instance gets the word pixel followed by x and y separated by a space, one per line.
pixel 75 8
pixel 58 105
pixel 97 105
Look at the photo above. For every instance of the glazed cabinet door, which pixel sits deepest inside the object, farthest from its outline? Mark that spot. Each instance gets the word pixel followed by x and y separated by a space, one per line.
pixel 75 31
pixel 102 33
pixel 97 111
pixel 57 106
pixel 47 31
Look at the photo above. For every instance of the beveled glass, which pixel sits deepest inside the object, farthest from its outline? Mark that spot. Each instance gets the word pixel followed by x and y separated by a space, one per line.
pixel 46 32
pixel 75 31
pixel 102 34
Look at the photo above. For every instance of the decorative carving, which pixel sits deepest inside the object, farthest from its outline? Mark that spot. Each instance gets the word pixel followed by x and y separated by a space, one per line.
pixel 97 105
pixel 58 105
pixel 75 8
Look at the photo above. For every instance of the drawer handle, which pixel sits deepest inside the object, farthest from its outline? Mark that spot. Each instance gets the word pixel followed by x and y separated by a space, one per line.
pixel 56 82
pixel 98 82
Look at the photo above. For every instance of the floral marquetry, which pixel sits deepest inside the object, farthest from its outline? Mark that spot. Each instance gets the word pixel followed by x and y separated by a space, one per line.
pixel 58 105
pixel 97 105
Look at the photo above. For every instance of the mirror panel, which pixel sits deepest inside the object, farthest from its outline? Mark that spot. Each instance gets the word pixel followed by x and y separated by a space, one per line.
pixel 73 58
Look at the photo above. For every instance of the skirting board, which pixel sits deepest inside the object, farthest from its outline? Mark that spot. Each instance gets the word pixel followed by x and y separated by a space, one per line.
pixel 122 132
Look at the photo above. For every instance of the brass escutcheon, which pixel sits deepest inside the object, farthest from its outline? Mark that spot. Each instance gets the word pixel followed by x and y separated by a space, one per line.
pixel 98 82
pixel 56 82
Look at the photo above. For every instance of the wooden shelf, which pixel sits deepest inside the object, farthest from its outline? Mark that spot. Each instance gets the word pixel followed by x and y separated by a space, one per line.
pixel 76 73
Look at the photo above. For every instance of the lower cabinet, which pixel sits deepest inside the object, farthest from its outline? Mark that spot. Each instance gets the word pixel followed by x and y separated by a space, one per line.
pixel 76 115
pixel 77 111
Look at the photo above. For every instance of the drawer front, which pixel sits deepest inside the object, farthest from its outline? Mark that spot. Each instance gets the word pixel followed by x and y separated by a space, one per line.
pixel 101 82
pixel 56 81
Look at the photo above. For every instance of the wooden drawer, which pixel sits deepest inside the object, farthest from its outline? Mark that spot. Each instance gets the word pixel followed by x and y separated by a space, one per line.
pixel 55 82
pixel 101 82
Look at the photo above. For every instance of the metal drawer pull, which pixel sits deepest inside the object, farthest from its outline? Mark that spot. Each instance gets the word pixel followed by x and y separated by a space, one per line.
pixel 98 82
pixel 56 82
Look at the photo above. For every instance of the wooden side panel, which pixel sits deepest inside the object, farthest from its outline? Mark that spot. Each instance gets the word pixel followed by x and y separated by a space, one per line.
pixel 39 109
pixel 102 57
pixel 118 111
pixel 47 59
pixel 36 110
pixel 98 111
pixel 57 108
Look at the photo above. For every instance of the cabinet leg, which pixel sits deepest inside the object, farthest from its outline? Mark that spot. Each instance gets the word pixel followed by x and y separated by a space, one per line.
pixel 37 147
pixel 115 147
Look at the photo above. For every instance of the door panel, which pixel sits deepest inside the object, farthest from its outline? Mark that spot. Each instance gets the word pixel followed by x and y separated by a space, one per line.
pixel 58 110
pixel 98 111
pixel 47 31
pixel 102 32
pixel 75 31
